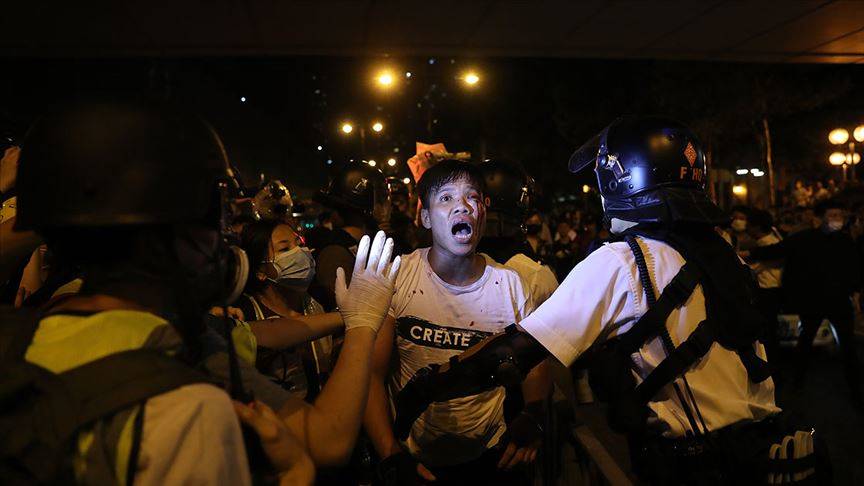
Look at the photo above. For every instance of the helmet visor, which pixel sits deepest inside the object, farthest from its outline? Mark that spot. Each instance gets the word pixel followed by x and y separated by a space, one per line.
pixel 589 151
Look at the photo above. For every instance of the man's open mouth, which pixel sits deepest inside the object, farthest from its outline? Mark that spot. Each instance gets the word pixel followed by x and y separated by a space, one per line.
pixel 462 231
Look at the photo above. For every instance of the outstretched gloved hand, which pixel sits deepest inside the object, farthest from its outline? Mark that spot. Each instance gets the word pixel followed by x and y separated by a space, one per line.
pixel 366 302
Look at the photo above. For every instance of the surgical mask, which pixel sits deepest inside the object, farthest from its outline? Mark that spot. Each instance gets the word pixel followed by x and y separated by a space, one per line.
pixel 835 224
pixel 295 267
pixel 739 225
pixel 533 229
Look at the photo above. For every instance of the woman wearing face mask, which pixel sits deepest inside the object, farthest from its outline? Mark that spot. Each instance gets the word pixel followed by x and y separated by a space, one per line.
pixel 281 272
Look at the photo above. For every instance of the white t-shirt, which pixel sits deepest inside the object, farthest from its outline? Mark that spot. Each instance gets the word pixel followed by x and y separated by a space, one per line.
pixel 769 274
pixel 537 279
pixel 602 296
pixel 436 320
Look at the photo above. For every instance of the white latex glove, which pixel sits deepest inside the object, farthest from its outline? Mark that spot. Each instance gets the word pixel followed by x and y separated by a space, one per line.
pixel 366 302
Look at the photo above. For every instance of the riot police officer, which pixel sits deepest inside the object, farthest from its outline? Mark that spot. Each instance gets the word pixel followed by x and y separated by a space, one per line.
pixel 667 313
pixel 510 192
pixel 136 195
pixel 357 194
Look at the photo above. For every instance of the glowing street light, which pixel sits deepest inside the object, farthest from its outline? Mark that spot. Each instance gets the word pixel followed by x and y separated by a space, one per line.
pixel 347 128
pixel 586 188
pixel 838 136
pixel 406 180
pixel 372 163
pixel 739 190
pixel 471 78
pixel 391 162
pixel 742 171
pixel 858 133
pixel 377 127
pixel 385 79
pixel 837 158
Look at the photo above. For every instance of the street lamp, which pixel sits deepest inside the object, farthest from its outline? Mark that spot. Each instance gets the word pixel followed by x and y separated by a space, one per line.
pixel 840 136
pixel 348 128
pixel 391 162
pixel 385 79
pixel 837 158
pixel 471 78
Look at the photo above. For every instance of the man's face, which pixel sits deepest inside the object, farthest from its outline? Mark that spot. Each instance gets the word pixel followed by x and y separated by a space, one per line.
pixel 456 214
pixel 835 217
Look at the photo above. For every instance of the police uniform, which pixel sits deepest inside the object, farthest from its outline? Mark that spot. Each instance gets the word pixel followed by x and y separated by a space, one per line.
pixel 609 280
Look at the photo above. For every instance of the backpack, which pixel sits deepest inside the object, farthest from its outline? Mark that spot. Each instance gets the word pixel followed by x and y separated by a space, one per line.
pixel 41 412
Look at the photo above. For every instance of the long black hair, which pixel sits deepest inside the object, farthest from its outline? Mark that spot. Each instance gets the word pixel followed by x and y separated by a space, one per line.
pixel 255 241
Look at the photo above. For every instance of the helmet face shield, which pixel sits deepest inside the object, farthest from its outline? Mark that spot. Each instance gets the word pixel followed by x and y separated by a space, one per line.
pixel 589 152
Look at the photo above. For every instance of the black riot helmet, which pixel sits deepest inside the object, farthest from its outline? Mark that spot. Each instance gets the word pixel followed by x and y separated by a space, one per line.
pixel 650 169
pixel 397 186
pixel 105 163
pixel 356 186
pixel 510 189
pixel 97 175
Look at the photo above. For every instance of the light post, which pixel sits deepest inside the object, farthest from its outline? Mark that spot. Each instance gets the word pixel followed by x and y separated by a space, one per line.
pixel 849 158
pixel 347 129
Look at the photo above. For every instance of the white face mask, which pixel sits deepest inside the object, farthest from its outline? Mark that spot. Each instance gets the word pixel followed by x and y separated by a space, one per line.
pixel 835 224
pixel 739 225
pixel 295 267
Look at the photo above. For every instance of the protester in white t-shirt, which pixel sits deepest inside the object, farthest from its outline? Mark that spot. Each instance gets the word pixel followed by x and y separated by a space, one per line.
pixel 448 297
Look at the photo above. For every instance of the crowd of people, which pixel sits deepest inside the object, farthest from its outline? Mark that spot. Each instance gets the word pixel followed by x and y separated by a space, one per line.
pixel 359 333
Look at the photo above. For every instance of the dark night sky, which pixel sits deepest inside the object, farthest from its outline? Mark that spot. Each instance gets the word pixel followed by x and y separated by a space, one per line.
pixel 536 111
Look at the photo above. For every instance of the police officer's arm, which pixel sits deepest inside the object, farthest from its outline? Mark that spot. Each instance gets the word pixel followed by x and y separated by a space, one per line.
pixel 329 427
pixel 593 296
pixel 377 420
pixel 526 433
pixel 284 332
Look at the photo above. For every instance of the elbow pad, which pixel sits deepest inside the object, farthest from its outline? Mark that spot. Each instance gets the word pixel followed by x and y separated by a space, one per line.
pixel 500 360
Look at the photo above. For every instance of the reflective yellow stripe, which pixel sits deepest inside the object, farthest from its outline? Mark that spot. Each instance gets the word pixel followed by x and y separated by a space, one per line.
pixel 63 342
pixel 124 447
pixel 244 342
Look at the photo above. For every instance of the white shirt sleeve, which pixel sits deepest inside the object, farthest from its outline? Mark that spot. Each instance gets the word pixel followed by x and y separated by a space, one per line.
pixel 191 436
pixel 592 302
